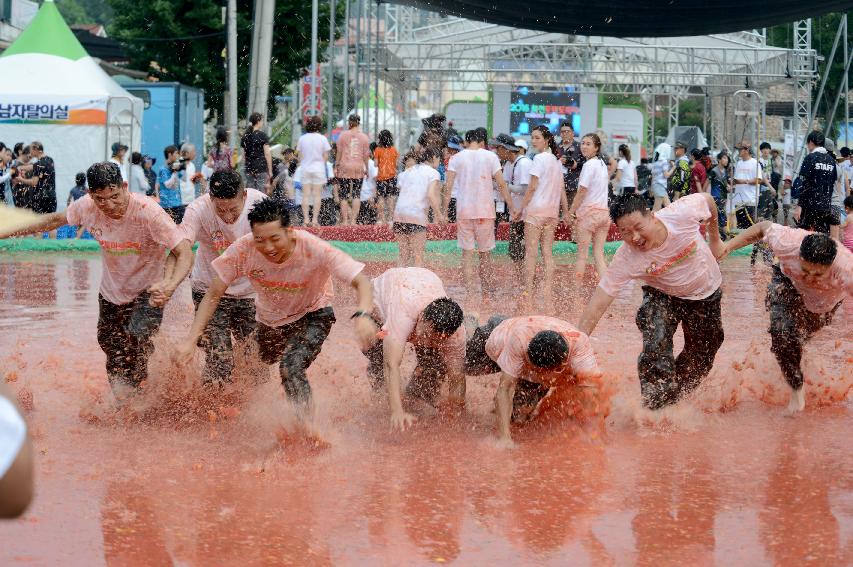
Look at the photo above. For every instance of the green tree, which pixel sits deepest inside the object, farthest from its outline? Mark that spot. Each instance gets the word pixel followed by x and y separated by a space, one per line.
pixel 184 40
pixel 73 12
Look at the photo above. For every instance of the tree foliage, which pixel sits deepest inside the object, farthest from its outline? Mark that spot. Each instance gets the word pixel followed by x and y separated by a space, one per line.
pixel 184 40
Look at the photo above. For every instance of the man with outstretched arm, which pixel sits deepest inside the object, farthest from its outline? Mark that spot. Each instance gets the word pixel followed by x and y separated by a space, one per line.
pixel 134 233
pixel 811 277
pixel 666 251
pixel 533 354
pixel 291 273
pixel 412 306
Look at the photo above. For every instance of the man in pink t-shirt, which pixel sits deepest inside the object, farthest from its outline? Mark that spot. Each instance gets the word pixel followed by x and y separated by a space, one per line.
pixel 473 171
pixel 291 273
pixel 412 307
pixel 811 278
pixel 533 354
pixel 351 163
pixel 215 221
pixel 134 233
pixel 681 278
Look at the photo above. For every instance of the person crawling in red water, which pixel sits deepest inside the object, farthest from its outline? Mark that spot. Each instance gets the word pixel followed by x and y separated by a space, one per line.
pixel 535 355
pixel 811 277
pixel 291 272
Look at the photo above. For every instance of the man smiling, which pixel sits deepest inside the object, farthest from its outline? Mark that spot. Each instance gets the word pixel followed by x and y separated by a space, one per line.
pixel 666 251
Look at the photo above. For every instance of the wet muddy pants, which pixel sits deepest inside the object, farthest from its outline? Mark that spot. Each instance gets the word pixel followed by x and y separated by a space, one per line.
pixel 124 334
pixel 295 346
pixel 664 378
pixel 233 320
pixel 426 380
pixel 791 325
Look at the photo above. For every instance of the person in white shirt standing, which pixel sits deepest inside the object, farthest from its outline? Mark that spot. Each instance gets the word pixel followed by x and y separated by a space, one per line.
pixel 625 182
pixel 474 169
pixel 748 177
pixel 215 221
pixel 313 149
pixel 419 191
pixel 516 173
pixel 138 182
pixel 540 211
pixel 119 150
pixel 589 214
pixel 191 176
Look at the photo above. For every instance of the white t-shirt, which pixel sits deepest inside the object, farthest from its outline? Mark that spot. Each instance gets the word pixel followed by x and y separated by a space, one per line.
pixel 368 186
pixel 121 168
pixel 188 185
pixel 518 173
pixel 745 193
pixel 475 170
pixel 594 176
pixel 413 202
pixel 311 148
pixel 546 199
pixel 137 183
pixel 13 433
pixel 628 170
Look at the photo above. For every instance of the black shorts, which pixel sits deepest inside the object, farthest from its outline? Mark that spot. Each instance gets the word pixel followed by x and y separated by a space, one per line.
pixel 818 220
pixel 387 188
pixel 349 189
pixel 408 228
pixel 42 204
pixel 516 241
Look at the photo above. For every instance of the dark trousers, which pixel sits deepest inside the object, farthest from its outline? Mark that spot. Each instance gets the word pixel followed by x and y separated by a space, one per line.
pixel 426 380
pixel 177 213
pixel 234 319
pixel 516 241
pixel 477 363
pixel 791 325
pixel 664 379
pixel 295 346
pixel 124 334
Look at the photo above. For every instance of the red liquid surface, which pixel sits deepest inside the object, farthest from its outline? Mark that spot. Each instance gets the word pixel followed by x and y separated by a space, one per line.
pixel 193 478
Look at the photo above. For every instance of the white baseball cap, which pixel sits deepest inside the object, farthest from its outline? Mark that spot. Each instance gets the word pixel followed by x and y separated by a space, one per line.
pixel 522 144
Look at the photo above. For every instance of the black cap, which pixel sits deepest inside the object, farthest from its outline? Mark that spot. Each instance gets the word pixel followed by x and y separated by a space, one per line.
pixel 117 147
pixel 506 141
pixel 681 145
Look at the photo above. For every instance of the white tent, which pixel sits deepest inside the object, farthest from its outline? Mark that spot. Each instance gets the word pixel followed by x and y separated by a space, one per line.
pixel 55 93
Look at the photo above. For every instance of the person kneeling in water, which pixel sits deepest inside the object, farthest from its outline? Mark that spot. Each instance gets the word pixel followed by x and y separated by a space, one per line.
pixel 412 306
pixel 666 251
pixel 812 276
pixel 533 354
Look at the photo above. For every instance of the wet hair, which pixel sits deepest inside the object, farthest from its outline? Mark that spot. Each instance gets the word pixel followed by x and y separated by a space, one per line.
pixel 80 179
pixel 848 201
pixel 697 154
pixel 444 315
pixel 596 141
pixel 136 158
pixel 225 184
pixel 313 124
pixel 37 146
pixel 547 349
pixel 818 248
pixel 169 150
pixel 816 137
pixel 221 136
pixel 102 175
pixel 549 137
pixel 476 135
pixel 269 210
pixel 385 139
pixel 354 120
pixel 426 155
pixel 373 146
pixel 625 151
pixel 845 152
pixel 627 204
pixel 764 146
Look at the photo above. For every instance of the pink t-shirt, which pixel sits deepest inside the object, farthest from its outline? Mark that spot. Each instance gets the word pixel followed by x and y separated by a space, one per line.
pixel 133 247
pixel 507 345
pixel 546 200
pixel 683 266
pixel 400 296
pixel 353 152
pixel 475 170
pixel 594 177
pixel 214 236
pixel 838 282
pixel 288 291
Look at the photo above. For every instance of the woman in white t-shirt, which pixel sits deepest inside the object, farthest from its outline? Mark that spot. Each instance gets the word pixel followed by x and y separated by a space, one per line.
pixel 419 191
pixel 625 182
pixel 589 213
pixel 313 149
pixel 540 211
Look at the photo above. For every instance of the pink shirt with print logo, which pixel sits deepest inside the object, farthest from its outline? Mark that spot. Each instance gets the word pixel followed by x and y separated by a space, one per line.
pixel 475 170
pixel 353 152
pixel 201 224
pixel 824 295
pixel 133 247
pixel 545 202
pixel 683 266
pixel 288 291
pixel 400 296
pixel 507 345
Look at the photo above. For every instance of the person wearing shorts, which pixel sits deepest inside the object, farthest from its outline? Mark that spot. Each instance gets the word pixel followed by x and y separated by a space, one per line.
pixel 351 164
pixel 387 158
pixel 666 251
pixel 419 193
pixel 134 233
pixel 589 213
pixel 534 356
pixel 411 306
pixel 811 279
pixel 291 274
pixel 472 171
pixel 215 220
